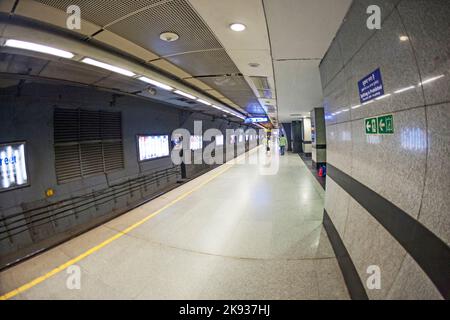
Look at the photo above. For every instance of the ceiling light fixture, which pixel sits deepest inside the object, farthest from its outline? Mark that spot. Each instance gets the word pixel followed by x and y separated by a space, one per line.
pixel 38 48
pixel 204 102
pixel 404 38
pixel 184 94
pixel 238 27
pixel 109 67
pixel 156 83
pixel 169 36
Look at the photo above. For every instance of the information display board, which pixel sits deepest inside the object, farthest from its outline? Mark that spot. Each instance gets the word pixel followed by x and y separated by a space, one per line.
pixel 196 143
pixel 13 167
pixel 153 147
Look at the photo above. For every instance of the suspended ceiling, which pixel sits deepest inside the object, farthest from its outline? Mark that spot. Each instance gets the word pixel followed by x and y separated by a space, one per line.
pixel 286 39
pixel 134 27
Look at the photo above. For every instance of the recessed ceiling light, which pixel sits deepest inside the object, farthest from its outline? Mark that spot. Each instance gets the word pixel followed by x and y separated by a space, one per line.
pixel 238 27
pixel 404 38
pixel 169 36
pixel 38 48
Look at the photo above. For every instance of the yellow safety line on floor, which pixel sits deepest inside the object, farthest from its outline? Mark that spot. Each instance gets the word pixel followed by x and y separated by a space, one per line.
pixel 64 266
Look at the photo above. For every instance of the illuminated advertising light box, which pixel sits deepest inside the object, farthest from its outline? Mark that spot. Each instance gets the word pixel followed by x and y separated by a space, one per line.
pixel 232 139
pixel 241 138
pixel 153 147
pixel 196 142
pixel 219 140
pixel 13 167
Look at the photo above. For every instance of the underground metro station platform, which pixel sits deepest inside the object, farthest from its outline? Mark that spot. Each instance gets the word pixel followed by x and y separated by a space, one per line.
pixel 210 150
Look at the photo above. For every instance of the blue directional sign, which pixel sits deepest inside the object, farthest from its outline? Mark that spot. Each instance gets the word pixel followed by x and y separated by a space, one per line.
pixel 371 87
pixel 257 120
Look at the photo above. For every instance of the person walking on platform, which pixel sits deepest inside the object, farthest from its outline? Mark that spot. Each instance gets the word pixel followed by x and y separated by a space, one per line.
pixel 283 143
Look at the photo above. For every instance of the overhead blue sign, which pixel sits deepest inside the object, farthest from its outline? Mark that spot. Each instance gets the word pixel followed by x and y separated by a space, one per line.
pixel 257 120
pixel 371 87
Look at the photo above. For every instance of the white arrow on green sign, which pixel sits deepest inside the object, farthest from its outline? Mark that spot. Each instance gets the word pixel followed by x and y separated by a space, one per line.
pixel 380 125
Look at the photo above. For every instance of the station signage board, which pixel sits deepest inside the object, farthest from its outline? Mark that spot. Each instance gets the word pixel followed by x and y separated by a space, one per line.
pixel 257 120
pixel 371 87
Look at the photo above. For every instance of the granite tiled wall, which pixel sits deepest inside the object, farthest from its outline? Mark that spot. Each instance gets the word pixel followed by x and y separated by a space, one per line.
pixel 409 168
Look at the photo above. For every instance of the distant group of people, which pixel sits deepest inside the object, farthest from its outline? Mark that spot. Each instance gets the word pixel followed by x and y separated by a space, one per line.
pixel 282 141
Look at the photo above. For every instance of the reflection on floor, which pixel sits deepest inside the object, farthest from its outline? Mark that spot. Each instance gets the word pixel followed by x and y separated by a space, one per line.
pixel 241 235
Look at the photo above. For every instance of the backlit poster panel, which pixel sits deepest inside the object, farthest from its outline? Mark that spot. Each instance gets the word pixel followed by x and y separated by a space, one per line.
pixel 13 168
pixel 153 147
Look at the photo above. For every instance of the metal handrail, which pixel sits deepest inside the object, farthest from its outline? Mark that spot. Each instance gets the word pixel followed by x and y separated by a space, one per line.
pixel 109 194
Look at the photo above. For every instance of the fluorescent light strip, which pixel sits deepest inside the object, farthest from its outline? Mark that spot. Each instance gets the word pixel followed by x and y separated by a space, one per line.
pixel 356 107
pixel 156 83
pixel 404 89
pixel 204 102
pixel 109 67
pixel 368 102
pixel 432 79
pixel 184 94
pixel 38 48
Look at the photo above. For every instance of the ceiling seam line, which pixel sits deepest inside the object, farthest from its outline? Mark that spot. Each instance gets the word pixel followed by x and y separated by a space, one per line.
pixel 136 12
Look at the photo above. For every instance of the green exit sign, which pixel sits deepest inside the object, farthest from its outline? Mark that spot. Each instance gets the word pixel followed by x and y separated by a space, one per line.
pixel 380 125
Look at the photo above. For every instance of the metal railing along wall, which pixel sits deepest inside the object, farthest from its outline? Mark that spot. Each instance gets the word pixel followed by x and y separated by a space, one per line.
pixel 28 220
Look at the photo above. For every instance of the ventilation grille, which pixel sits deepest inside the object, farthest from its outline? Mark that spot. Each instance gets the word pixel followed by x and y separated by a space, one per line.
pixel 214 62
pixel 237 90
pixel 177 16
pixel 102 12
pixel 87 143
pixel 263 87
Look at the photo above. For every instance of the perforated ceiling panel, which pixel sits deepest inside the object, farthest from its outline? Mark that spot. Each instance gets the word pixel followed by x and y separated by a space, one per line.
pixel 102 12
pixel 237 90
pixel 145 27
pixel 10 63
pixel 121 83
pixel 203 63
pixel 72 71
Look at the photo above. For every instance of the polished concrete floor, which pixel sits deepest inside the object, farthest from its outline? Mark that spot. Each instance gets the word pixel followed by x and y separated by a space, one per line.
pixel 232 233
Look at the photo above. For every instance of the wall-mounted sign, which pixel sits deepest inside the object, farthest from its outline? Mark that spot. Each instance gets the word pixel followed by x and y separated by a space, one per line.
pixel 380 125
pixel 13 168
pixel 257 120
pixel 371 87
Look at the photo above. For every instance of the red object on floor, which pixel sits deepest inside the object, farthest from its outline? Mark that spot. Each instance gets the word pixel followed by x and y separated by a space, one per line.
pixel 321 172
